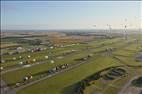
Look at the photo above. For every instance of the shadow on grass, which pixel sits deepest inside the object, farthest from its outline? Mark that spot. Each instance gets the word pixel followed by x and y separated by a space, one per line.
pixel 10 85
pixel 39 73
pixel 78 88
pixel 70 89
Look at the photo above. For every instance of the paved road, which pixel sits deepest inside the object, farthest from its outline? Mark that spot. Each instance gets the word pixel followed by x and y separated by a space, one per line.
pixel 128 89
pixel 36 81
pixel 5 89
pixel 71 67
pixel 22 67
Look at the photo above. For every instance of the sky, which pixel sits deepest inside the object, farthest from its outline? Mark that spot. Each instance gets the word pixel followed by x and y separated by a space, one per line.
pixel 25 15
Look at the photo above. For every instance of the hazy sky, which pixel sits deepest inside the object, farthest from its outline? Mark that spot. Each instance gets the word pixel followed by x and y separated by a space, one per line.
pixel 70 14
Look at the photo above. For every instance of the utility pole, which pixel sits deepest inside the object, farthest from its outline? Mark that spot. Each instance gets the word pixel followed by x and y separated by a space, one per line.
pixel 109 26
pixel 125 28
pixel 94 26
pixel 140 31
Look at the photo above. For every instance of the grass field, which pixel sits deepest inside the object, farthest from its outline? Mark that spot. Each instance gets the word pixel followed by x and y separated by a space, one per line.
pixel 65 79
pixel 65 82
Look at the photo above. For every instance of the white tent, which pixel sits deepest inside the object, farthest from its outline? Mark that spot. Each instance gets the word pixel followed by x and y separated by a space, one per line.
pixel 51 47
pixel 52 61
pixel 46 57
pixel 34 60
pixel 14 58
pixel 29 56
pixel 20 56
pixel 1 68
pixel 21 62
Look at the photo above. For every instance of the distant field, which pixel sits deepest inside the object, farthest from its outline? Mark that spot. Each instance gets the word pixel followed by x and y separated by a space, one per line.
pixel 8 45
pixel 106 53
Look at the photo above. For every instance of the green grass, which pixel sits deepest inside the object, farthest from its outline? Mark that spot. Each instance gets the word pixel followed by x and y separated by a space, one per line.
pixel 37 55
pixel 124 53
pixel 40 55
pixel 111 90
pixel 129 61
pixel 119 83
pixel 114 86
pixel 61 83
pixel 10 78
pixel 97 86
pixel 56 51
pixel 65 82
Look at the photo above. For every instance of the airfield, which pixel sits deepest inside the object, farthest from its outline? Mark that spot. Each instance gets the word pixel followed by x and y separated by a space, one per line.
pixel 70 63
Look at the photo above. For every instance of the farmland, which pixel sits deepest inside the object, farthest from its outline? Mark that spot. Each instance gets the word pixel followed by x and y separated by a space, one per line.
pixel 69 62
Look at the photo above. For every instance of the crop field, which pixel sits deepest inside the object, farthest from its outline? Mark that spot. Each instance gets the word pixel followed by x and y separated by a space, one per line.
pixel 71 47
pixel 69 64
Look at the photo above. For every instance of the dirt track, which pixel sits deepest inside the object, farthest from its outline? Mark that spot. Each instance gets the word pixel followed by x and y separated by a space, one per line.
pixel 128 89
pixel 5 89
